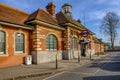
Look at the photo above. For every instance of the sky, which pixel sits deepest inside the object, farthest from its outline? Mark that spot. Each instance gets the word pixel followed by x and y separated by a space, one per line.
pixel 90 12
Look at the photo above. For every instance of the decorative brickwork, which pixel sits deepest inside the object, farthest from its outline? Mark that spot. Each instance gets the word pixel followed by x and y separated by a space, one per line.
pixel 39 43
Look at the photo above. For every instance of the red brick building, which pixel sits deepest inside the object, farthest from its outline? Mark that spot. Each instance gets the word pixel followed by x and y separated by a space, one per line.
pixel 42 34
pixel 99 46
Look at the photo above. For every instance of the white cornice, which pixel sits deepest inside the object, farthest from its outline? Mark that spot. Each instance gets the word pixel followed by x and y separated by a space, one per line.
pixel 72 25
pixel 15 25
pixel 77 27
pixel 46 24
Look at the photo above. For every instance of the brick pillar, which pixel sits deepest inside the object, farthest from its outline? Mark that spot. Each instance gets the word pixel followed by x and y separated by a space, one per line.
pixel 36 43
pixel 67 44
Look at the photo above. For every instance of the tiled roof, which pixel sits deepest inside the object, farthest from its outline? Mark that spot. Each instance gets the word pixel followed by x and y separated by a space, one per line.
pixel 63 18
pixel 43 16
pixel 12 15
pixel 96 40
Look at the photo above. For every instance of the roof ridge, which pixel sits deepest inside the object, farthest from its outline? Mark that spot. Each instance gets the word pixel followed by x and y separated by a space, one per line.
pixel 10 7
pixel 48 14
pixel 42 15
pixel 38 12
pixel 64 15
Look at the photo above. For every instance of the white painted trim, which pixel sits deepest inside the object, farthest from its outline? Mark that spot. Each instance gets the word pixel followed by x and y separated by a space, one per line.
pixel 69 24
pixel 47 24
pixel 52 34
pixel 19 52
pixel 75 36
pixel 15 25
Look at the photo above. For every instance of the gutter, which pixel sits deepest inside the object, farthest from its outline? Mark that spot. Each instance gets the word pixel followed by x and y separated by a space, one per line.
pixel 80 28
pixel 73 26
pixel 46 24
pixel 15 25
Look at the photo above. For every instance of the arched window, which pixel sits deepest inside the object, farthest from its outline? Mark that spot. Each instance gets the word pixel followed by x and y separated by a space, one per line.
pixel 51 42
pixel 19 43
pixel 2 42
pixel 74 43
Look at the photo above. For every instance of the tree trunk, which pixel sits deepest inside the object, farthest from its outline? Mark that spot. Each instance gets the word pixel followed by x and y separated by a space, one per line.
pixel 112 46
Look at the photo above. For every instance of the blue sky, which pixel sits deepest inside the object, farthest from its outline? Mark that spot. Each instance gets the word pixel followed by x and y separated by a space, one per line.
pixel 90 12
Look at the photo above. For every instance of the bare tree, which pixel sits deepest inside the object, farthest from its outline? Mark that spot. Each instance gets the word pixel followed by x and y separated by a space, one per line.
pixel 109 26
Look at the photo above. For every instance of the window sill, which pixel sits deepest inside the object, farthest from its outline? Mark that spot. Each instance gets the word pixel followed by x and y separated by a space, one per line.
pixel 51 50
pixel 19 53
pixel 3 55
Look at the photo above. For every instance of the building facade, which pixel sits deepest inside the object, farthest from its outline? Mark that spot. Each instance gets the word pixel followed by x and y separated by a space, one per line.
pixel 42 34
pixel 99 46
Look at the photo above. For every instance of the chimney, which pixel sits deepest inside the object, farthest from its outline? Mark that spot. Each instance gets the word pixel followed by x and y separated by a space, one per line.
pixel 51 8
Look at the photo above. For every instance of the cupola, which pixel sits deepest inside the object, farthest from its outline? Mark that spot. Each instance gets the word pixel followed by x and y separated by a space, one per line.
pixel 67 9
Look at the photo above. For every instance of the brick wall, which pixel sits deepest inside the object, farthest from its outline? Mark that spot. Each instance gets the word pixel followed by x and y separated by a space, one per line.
pixel 10 58
pixel 39 52
pixel 39 38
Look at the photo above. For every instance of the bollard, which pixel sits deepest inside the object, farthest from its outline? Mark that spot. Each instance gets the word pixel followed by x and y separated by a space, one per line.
pixel 98 54
pixel 90 55
pixel 56 61
pixel 78 57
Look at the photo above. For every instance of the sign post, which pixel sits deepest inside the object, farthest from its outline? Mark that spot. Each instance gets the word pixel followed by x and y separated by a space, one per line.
pixel 85 33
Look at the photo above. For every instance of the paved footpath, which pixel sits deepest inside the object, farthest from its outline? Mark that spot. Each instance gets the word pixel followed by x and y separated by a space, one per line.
pixel 28 71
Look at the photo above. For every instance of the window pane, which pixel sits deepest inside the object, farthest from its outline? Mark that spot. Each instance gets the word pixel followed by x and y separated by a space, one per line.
pixel 74 43
pixel 51 42
pixel 19 43
pixel 2 42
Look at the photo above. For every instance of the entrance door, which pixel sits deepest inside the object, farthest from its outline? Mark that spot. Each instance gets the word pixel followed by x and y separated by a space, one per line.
pixel 83 49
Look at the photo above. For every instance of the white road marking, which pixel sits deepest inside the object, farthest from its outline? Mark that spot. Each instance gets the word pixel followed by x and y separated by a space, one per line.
pixel 53 76
pixel 81 73
pixel 102 66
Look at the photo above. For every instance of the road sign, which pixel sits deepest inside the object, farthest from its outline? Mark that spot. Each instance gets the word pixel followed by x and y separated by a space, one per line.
pixel 85 33
pixel 85 41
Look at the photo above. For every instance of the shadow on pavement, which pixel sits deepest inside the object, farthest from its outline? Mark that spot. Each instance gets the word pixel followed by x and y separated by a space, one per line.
pixel 113 66
pixel 111 77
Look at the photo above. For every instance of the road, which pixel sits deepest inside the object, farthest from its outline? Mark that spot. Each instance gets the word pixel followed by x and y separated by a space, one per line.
pixel 106 68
